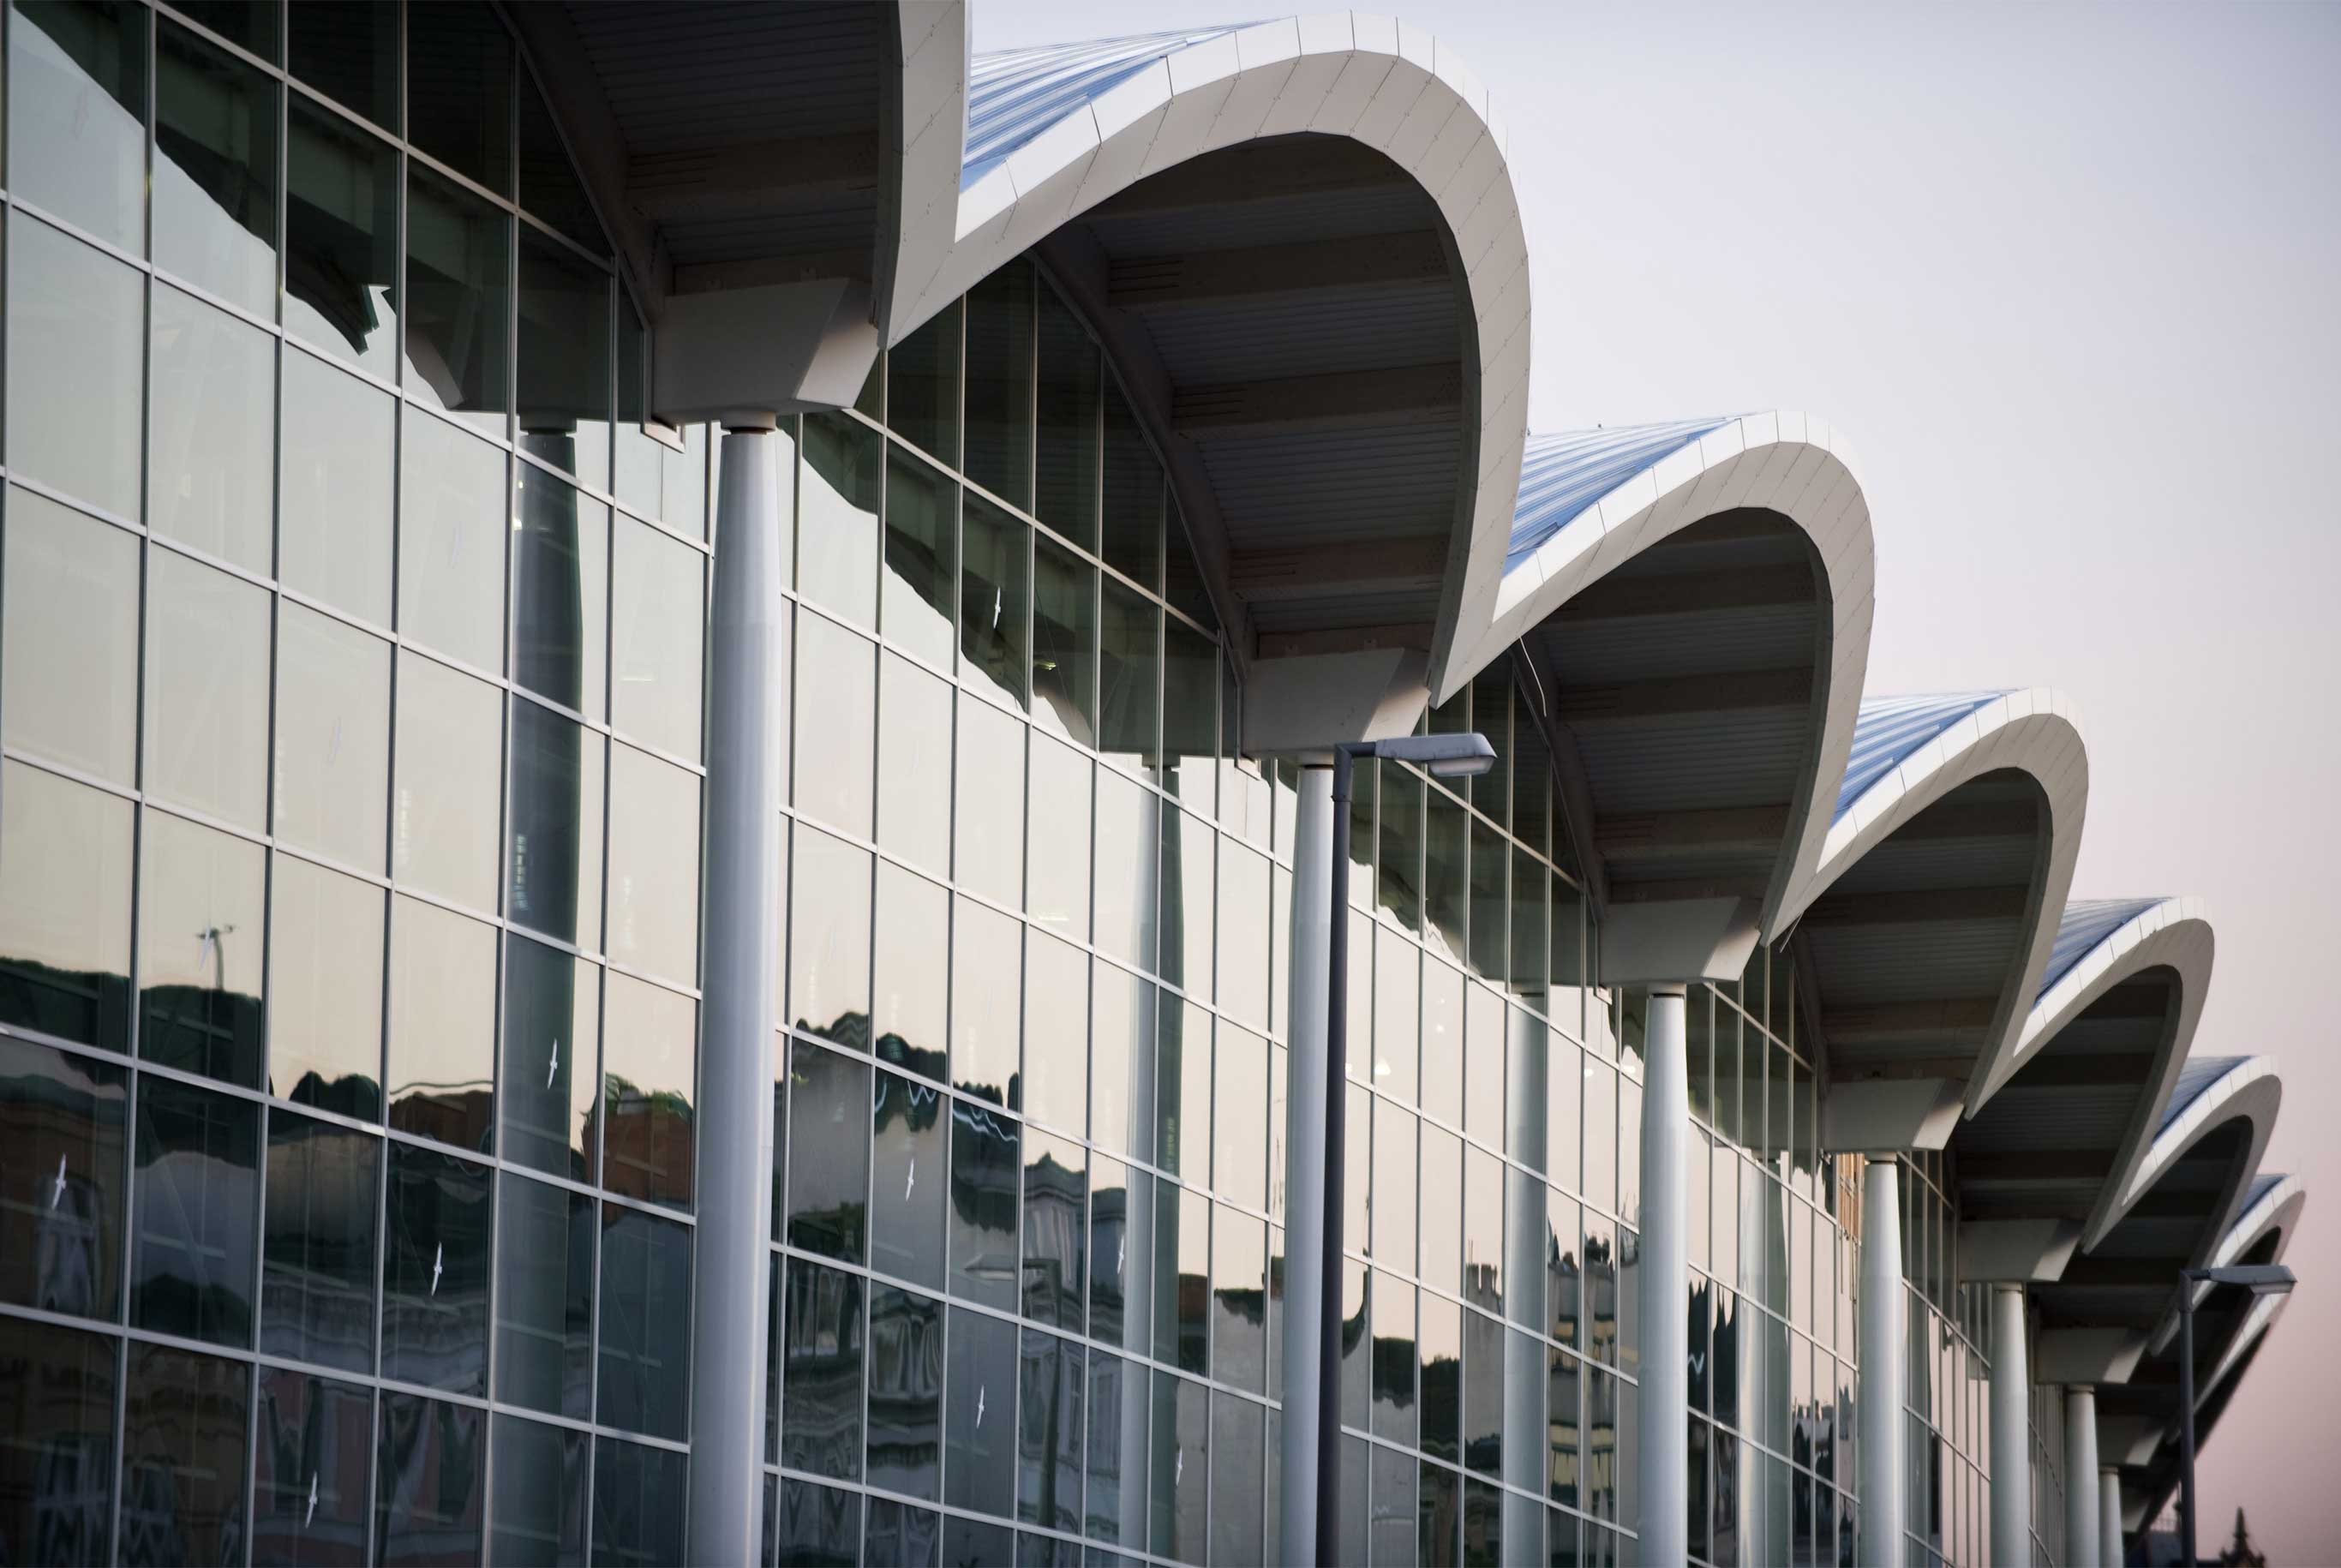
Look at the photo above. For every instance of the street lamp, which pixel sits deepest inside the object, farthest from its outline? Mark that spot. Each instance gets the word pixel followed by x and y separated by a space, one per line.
pixel 2259 1279
pixel 1449 756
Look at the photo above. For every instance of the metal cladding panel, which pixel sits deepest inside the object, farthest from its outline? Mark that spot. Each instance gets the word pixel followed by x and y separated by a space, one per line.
pixel 1890 728
pixel 2198 1075
pixel 1014 95
pixel 1562 475
pixel 2086 923
pixel 687 75
pixel 1305 336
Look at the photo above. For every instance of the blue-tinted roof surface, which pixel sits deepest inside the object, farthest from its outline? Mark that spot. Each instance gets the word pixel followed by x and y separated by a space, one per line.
pixel 1014 95
pixel 2088 922
pixel 1888 729
pixel 1562 476
pixel 2199 1074
pixel 2261 1187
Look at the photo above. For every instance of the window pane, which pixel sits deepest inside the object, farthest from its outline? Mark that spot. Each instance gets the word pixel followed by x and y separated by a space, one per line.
pixel 1393 1237
pixel 64 907
pixel 1133 495
pixel 56 1441
pixel 207 691
pixel 1239 1166
pixel 1246 933
pixel 837 502
pixel 906 1390
pixel 539 1507
pixel 1114 1497
pixel 459 91
pixel 561 588
pixel 61 1128
pixel 325 989
pixel 1183 583
pixel 909 1178
pixel 922 386
pixel 1057 839
pixel 552 1006
pixel 1393 1302
pixel 1055 1081
pixel 544 1298
pixel 1398 982
pixel 1049 1441
pixel 1238 1451
pixel 1122 1254
pixel 828 1152
pixel 443 1012
pixel 994 588
pixel 1130 674
pixel 1177 1505
pixel 984 990
pixel 1445 892
pixel 1239 1299
pixel 71 628
pixel 435 1279
pixel 549 185
pixel 75 324
pixel 1440 1237
pixel 914 754
pixel 211 431
pixel 979 1430
pixel 922 548
pixel 821 1372
pixel 1490 907
pixel 1443 1042
pixel 448 737
pixel 333 532
pixel 349 54
pixel 553 866
pixel 641 1495
pixel 653 865
pixel 1068 401
pixel 1182 1091
pixel 1121 1062
pixel 316 1439
pixel 341 214
pixel 191 1261
pixel 317 1257
pixel 836 707
pixel 1182 1277
pixel 333 739
pixel 1441 1350
pixel 650 1058
pixel 829 945
pixel 1064 642
pixel 658 616
pixel 645 1373
pixel 183 1442
pixel 1190 692
pixel 999 384
pixel 1056 1230
pixel 428 1477
pixel 458 301
pixel 77 115
pixel 989 801
pixel 450 544
pixel 1128 850
pixel 985 1171
pixel 913 945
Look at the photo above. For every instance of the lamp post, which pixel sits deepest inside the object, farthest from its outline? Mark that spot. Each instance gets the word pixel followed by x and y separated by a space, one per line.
pixel 2259 1279
pixel 1450 756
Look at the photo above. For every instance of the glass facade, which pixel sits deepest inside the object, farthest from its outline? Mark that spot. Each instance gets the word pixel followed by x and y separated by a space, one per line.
pixel 353 621
pixel 348 814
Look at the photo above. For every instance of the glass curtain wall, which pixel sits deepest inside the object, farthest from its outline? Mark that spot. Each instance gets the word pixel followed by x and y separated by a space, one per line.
pixel 1946 1444
pixel 349 696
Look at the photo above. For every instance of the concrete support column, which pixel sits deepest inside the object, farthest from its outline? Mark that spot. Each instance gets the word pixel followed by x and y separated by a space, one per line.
pixel 2109 1520
pixel 2011 1431
pixel 1305 1194
pixel 1877 1419
pixel 2080 1464
pixel 742 934
pixel 1665 1439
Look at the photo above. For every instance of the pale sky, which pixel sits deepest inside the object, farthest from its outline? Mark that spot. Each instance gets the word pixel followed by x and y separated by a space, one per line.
pixel 2070 276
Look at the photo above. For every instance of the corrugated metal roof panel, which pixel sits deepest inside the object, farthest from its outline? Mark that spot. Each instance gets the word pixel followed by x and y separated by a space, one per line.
pixel 1014 95
pixel 1562 475
pixel 1890 728
pixel 2086 923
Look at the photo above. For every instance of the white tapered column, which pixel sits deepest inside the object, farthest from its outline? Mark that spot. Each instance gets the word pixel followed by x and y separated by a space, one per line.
pixel 1304 1183
pixel 741 932
pixel 1665 1439
pixel 2109 1521
pixel 1877 1420
pixel 2080 1464
pixel 2011 1431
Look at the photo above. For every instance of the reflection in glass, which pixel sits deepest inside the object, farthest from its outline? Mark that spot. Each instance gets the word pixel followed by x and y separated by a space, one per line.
pixel 1445 893
pixel 458 301
pixel 650 1062
pixel 1057 839
pixel 1398 982
pixel 340 218
pixel 1483 1229
pixel 553 865
pixel 1490 905
pixel 428 1460
pixel 1441 1376
pixel 1056 1230
pixel 829 947
pixel 211 431
pixel 560 585
pixel 1239 1299
pixel 645 1323
pixel 1055 1081
pixel 548 186
pixel 915 763
pixel 908 1181
pixel 653 865
pixel 70 626
pixel 828 1152
pixel 1191 694
pixel 332 738
pixel 1050 1440
pixel 1182 1277
pixel 449 736
pixel 835 736
pixel 999 384
pixel 1068 403
pixel 350 55
pixel 539 1506
pixel 1394 1192
pixel 442 1011
pixel 980 1414
pixel 1114 1499
pixel 1133 495
pixel 196 1185
pixel 657 619
pixel 552 1007
pixel 64 907
pixel 459 92
pixel 984 989
pixel 544 1298
pixel 57 1392
pixel 435 1279
pixel 451 545
pixel 994 597
pixel 199 986
pixel 1183 1092
pixel 985 1171
pixel 1238 1455
pixel 206 699
pixel 1393 1360
pixel 922 386
pixel 318 1245
pixel 1442 1235
pixel 1176 1498
pixel 334 518
pixel 1065 644
pixel 315 1440
pixel 1121 1253
pixel 821 1373
pixel 1394 1525
pixel 76 322
pixel 1126 868
pixel 183 1451
pixel 906 1392
pixel 77 109
pixel 639 1497
pixel 914 941
pixel 61 1130
pixel 837 529
pixel 325 989
pixel 921 541
pixel 1130 678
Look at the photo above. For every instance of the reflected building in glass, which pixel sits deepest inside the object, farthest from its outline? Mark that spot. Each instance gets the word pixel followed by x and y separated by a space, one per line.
pixel 378 378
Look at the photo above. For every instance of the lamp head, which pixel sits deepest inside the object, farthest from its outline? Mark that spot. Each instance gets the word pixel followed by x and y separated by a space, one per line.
pixel 1450 756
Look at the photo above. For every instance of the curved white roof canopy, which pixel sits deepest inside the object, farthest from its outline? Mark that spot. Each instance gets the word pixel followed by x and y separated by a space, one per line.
pixel 1691 602
pixel 2042 1162
pixel 1300 245
pixel 1927 924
